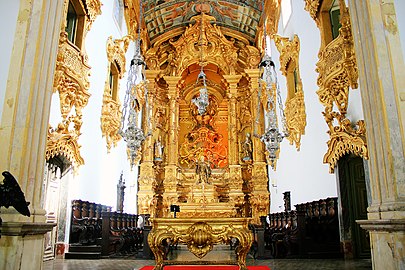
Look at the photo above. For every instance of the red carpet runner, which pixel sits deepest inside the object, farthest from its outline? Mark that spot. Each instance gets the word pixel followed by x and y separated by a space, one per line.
pixel 206 267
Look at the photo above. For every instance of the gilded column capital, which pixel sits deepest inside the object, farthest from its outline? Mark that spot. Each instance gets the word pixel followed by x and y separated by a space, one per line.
pixel 151 74
pixel 172 82
pixel 151 77
pixel 253 73
pixel 232 81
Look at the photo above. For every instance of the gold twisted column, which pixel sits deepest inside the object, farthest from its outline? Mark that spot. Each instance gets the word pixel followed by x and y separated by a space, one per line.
pixel 147 178
pixel 200 235
pixel 259 197
pixel 171 169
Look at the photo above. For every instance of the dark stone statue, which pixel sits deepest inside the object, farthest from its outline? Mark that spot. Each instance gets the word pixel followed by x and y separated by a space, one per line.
pixel 11 195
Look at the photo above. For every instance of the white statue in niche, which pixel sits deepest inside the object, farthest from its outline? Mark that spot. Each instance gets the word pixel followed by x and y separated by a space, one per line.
pixel 158 149
pixel 247 148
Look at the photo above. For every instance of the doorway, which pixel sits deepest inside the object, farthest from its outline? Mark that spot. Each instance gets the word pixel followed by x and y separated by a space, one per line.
pixel 353 195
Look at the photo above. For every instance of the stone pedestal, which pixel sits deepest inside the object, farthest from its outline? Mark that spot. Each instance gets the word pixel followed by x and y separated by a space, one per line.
pixel 386 238
pixel 22 244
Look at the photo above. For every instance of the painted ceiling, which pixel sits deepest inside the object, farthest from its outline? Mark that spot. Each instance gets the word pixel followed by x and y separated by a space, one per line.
pixel 161 16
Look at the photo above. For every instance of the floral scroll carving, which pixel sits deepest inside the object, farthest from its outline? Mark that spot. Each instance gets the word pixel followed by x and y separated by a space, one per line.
pixel 312 6
pixel 208 37
pixel 111 108
pixel 72 83
pixel 338 73
pixel 344 138
pixel 200 235
pixel 295 106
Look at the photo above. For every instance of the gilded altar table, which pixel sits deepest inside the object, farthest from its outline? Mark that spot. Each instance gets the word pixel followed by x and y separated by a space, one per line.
pixel 200 235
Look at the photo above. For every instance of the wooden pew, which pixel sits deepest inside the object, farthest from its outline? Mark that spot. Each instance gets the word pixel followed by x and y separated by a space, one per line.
pixel 120 234
pixel 96 230
pixel 310 231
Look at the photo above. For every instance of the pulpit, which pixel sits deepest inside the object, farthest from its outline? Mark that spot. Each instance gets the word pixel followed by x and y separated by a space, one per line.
pixel 200 235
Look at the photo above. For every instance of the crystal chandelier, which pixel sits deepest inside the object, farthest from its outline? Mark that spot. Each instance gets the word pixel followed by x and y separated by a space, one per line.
pixel 273 136
pixel 202 101
pixel 136 92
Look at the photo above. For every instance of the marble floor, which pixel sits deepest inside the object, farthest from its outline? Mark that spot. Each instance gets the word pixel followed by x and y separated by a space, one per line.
pixel 130 263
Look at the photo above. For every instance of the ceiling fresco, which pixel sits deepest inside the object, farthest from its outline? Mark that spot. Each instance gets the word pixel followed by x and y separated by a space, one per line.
pixel 239 16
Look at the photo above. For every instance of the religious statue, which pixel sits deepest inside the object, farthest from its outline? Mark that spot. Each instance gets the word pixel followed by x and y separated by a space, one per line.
pixel 203 171
pixel 12 195
pixel 247 148
pixel 120 194
pixel 158 149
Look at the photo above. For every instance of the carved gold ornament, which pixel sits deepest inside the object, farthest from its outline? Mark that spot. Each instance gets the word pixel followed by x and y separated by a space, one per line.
pixel 295 105
pixel 312 6
pixel 200 235
pixel 296 118
pixel 174 58
pixel 93 9
pixel 216 48
pixel 110 119
pixel 337 68
pixel 111 109
pixel 72 83
pixel 344 139
pixel 338 73
pixel 61 142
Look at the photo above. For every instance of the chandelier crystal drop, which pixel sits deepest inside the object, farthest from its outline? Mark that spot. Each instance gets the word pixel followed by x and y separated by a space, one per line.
pixel 272 136
pixel 202 101
pixel 136 92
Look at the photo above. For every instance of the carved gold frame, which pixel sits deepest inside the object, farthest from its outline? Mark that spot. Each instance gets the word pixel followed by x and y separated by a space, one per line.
pixel 111 109
pixel 295 106
pixel 72 83
pixel 337 68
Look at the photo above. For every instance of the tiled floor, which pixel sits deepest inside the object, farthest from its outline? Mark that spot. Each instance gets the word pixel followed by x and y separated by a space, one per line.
pixel 219 254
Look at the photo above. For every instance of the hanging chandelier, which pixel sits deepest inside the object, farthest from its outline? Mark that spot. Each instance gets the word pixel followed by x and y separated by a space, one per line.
pixel 136 93
pixel 202 101
pixel 272 136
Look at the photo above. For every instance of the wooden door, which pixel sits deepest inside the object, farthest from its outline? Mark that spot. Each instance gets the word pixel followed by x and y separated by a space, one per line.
pixel 352 181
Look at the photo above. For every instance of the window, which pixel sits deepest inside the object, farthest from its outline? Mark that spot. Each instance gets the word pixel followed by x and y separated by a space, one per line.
pixel 334 15
pixel 75 20
pixel 71 23
pixel 113 80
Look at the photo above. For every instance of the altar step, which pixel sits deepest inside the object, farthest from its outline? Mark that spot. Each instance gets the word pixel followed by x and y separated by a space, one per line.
pixel 83 252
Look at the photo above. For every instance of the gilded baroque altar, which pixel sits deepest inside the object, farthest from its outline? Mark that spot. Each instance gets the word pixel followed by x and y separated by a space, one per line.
pixel 234 181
